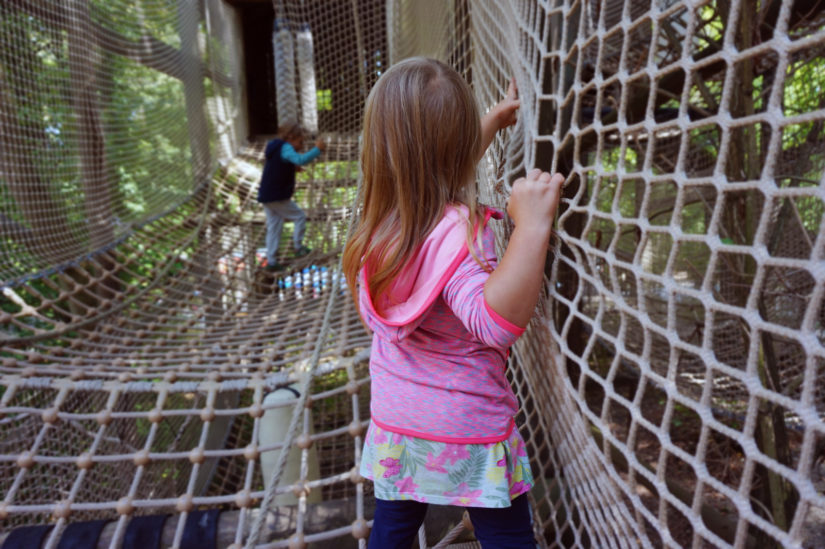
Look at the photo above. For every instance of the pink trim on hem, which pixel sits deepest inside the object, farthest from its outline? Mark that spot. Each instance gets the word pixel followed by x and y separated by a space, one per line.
pixel 503 322
pixel 448 440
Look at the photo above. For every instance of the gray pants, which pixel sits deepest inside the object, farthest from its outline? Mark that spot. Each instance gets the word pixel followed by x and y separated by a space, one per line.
pixel 276 214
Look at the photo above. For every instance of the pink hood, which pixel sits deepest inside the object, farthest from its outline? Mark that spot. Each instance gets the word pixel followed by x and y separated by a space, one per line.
pixel 421 281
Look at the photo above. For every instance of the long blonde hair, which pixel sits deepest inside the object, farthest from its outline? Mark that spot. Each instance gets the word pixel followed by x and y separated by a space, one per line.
pixel 421 144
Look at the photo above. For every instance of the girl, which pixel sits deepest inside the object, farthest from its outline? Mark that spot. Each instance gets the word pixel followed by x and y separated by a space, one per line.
pixel 443 311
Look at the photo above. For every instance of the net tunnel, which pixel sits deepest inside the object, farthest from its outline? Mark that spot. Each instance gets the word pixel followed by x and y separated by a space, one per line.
pixel 159 389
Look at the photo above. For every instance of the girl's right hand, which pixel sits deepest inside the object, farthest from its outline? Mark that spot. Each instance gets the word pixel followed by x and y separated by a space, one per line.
pixel 512 289
pixel 534 200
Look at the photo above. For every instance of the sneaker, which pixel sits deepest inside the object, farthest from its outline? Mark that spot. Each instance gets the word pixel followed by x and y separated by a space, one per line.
pixel 302 251
pixel 274 267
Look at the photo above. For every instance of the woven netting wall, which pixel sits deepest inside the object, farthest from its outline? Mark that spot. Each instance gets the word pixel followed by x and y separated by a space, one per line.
pixel 672 383
pixel 682 342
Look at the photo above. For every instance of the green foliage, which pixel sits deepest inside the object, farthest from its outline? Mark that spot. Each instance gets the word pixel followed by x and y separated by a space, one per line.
pixel 630 196
pixel 706 139
pixel 35 71
pixel 711 27
pixel 139 20
pixel 149 152
pixel 811 210
pixel 697 97
pixel 604 193
pixel 142 114
pixel 329 171
pixel 694 215
pixel 613 160
pixel 324 100
pixel 804 86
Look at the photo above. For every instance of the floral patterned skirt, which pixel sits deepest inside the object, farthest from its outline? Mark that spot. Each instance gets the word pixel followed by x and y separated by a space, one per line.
pixel 470 475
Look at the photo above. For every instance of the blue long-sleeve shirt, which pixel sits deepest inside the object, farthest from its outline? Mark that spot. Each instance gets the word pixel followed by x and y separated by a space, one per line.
pixel 278 178
pixel 289 154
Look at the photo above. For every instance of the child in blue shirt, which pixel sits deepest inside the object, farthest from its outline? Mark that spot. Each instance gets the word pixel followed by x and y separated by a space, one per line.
pixel 277 186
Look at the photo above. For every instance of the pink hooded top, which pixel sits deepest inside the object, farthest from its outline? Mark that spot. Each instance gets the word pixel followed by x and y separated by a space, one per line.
pixel 439 351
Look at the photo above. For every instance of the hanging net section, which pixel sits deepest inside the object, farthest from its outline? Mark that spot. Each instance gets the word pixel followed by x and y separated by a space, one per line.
pixel 149 365
pixel 158 386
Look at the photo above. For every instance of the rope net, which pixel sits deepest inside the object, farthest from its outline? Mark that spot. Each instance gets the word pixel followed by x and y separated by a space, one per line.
pixel 671 384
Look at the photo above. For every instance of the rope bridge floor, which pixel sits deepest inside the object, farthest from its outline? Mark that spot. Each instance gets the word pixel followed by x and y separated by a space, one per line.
pixel 157 406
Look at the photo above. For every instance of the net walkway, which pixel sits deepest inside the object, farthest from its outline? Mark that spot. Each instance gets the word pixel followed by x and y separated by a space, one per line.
pixel 151 373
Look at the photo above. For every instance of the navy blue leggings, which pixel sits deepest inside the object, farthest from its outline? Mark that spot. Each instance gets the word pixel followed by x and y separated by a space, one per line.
pixel 397 522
